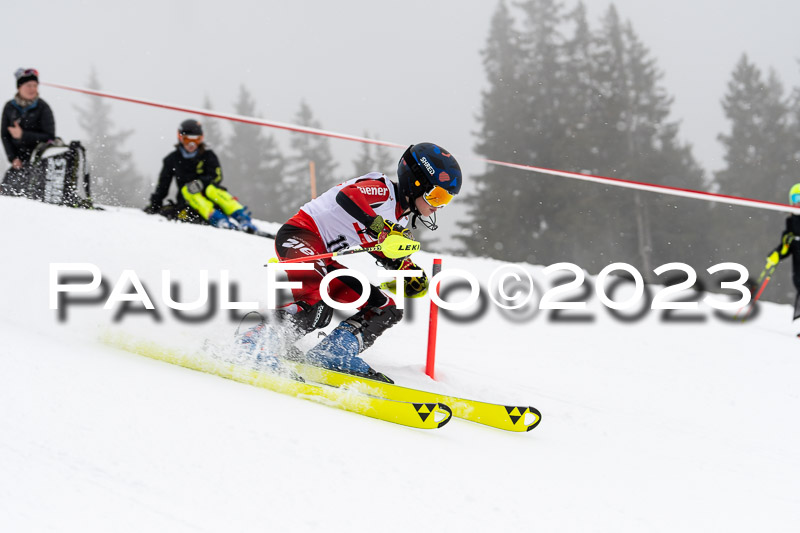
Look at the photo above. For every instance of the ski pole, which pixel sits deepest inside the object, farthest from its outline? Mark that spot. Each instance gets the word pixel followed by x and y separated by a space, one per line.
pixel 755 298
pixel 393 247
pixel 766 275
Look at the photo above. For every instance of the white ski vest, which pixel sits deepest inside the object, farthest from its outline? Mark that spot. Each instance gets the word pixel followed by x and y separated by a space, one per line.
pixel 337 228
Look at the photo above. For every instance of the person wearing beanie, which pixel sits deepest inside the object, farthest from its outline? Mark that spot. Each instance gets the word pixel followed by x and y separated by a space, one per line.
pixel 24 75
pixel 27 121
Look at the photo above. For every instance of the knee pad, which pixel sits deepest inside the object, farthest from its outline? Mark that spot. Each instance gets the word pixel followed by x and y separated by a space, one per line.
pixel 372 321
pixel 311 317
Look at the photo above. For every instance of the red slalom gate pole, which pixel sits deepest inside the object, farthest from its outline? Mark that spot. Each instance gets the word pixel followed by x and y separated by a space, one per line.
pixel 430 363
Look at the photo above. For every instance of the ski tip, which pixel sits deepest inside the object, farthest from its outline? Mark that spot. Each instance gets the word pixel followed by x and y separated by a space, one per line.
pixel 444 410
pixel 538 418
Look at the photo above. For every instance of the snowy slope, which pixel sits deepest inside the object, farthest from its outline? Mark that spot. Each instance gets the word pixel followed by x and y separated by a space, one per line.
pixel 647 426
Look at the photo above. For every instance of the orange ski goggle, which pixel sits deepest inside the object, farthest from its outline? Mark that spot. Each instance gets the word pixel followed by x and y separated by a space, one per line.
pixel 438 197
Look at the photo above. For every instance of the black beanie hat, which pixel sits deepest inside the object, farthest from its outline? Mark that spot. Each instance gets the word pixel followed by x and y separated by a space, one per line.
pixel 24 75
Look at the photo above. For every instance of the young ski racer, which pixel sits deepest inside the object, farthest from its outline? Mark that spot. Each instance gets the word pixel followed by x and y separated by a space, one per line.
pixel 358 212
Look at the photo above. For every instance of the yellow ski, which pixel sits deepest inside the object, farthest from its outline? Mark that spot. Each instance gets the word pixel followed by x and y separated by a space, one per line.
pixel 507 417
pixel 413 412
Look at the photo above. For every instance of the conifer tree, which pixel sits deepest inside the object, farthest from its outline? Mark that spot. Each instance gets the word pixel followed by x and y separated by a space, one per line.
pixel 252 164
pixel 307 148
pixel 495 226
pixel 579 204
pixel 114 179
pixel 633 139
pixel 760 162
pixel 543 47
pixel 794 106
pixel 542 203
pixel 582 101
pixel 373 158
pixel 212 128
pixel 580 92
pixel 759 153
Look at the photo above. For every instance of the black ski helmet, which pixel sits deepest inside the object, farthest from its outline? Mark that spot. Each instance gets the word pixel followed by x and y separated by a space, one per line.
pixel 190 127
pixel 425 166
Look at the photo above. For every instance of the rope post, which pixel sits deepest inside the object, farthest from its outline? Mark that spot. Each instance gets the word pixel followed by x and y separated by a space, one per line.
pixel 432 324
pixel 312 176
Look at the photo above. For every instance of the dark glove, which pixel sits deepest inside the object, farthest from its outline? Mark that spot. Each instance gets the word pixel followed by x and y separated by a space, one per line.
pixel 382 228
pixel 415 287
pixel 152 209
pixel 786 243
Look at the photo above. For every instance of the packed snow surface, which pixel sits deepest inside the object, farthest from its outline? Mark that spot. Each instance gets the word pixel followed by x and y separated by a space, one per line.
pixel 648 425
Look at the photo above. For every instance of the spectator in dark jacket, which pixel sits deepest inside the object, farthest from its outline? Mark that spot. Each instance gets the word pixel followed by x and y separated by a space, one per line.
pixel 198 175
pixel 790 245
pixel 27 121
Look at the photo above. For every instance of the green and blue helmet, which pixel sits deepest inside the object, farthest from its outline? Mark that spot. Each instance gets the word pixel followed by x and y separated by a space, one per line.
pixel 794 194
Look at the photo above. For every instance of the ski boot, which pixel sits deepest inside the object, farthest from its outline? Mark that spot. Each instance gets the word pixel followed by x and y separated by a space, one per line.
pixel 242 217
pixel 265 345
pixel 339 351
pixel 219 220
pixel 251 347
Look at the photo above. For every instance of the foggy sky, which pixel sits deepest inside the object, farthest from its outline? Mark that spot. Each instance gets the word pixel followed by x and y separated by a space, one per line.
pixel 409 71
